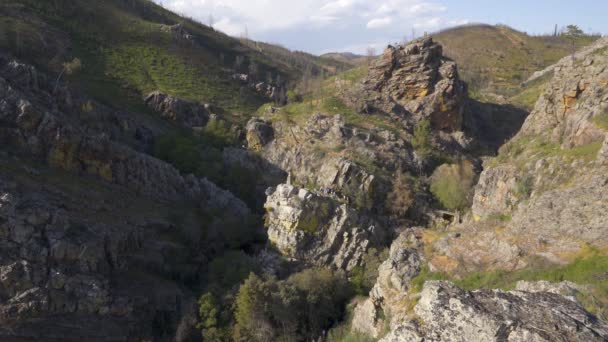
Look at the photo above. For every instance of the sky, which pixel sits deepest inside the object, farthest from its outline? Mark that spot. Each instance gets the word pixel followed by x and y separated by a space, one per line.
pixel 321 26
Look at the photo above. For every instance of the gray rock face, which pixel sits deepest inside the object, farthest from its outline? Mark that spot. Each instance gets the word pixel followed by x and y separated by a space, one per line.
pixel 184 113
pixel 66 262
pixel 452 314
pixel 576 94
pixel 318 230
pixel 30 125
pixel 392 289
pixel 417 77
pixel 548 184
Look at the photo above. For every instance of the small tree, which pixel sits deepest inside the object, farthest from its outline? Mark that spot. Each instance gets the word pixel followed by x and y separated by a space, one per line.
pixel 371 54
pixel 574 31
pixel 69 68
pixel 422 137
pixel 452 184
pixel 209 322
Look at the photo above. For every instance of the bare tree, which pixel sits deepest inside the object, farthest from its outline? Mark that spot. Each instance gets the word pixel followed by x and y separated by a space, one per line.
pixel 371 54
pixel 211 21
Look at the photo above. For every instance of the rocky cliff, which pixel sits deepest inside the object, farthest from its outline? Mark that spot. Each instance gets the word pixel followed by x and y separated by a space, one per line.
pixel 90 248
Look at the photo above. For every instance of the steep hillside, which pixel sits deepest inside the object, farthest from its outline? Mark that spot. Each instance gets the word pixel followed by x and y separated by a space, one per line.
pixel 130 48
pixel 495 60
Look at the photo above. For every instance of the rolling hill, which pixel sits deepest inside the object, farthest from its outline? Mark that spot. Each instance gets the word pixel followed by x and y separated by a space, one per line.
pixel 495 60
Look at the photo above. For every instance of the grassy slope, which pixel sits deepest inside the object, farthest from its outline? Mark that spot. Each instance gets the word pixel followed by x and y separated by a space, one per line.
pixel 497 59
pixel 128 51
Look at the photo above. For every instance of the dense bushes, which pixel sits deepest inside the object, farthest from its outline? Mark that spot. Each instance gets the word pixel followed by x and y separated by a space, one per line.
pixel 298 308
pixel 452 184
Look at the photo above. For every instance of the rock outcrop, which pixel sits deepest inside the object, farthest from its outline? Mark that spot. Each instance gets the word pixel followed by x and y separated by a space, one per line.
pixel 417 78
pixel 318 230
pixel 184 113
pixel 259 133
pixel 448 313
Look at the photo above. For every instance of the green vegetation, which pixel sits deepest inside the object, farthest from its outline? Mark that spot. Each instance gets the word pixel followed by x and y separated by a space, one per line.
pixel 209 321
pixel 589 268
pixel 298 308
pixel 131 48
pixel 601 121
pixel 200 154
pixel 524 149
pixel 452 184
pixel 422 138
pixel 364 277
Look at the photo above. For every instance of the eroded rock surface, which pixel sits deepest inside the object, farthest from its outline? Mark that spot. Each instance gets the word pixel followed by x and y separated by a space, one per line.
pixel 451 314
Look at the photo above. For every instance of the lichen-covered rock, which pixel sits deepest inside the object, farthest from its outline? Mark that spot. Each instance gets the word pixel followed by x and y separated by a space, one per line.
pixel 318 230
pixel 417 77
pixel 451 314
pixel 259 133
pixel 184 113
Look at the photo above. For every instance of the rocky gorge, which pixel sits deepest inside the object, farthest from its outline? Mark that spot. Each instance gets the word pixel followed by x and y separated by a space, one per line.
pixel 385 204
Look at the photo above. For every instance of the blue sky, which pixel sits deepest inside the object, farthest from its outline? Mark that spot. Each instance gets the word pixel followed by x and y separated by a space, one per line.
pixel 320 26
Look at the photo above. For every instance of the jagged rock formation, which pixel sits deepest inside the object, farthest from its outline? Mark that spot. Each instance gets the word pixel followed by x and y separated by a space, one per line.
pixel 417 82
pixel 451 314
pixel 327 154
pixel 318 230
pixel 184 113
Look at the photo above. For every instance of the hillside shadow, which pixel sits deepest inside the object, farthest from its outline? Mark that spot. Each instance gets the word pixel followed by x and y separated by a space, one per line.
pixel 492 125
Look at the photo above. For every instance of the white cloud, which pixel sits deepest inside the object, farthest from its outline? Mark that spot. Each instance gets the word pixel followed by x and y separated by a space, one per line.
pixel 377 23
pixel 311 21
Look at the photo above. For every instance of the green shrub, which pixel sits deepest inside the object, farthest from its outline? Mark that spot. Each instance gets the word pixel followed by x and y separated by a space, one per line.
pixel 525 186
pixel 452 185
pixel 218 133
pixel 209 311
pixel 422 138
pixel 363 278
pixel 294 97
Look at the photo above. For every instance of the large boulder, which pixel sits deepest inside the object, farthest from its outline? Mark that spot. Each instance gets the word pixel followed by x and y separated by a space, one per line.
pixel 318 230
pixel 184 113
pixel 259 133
